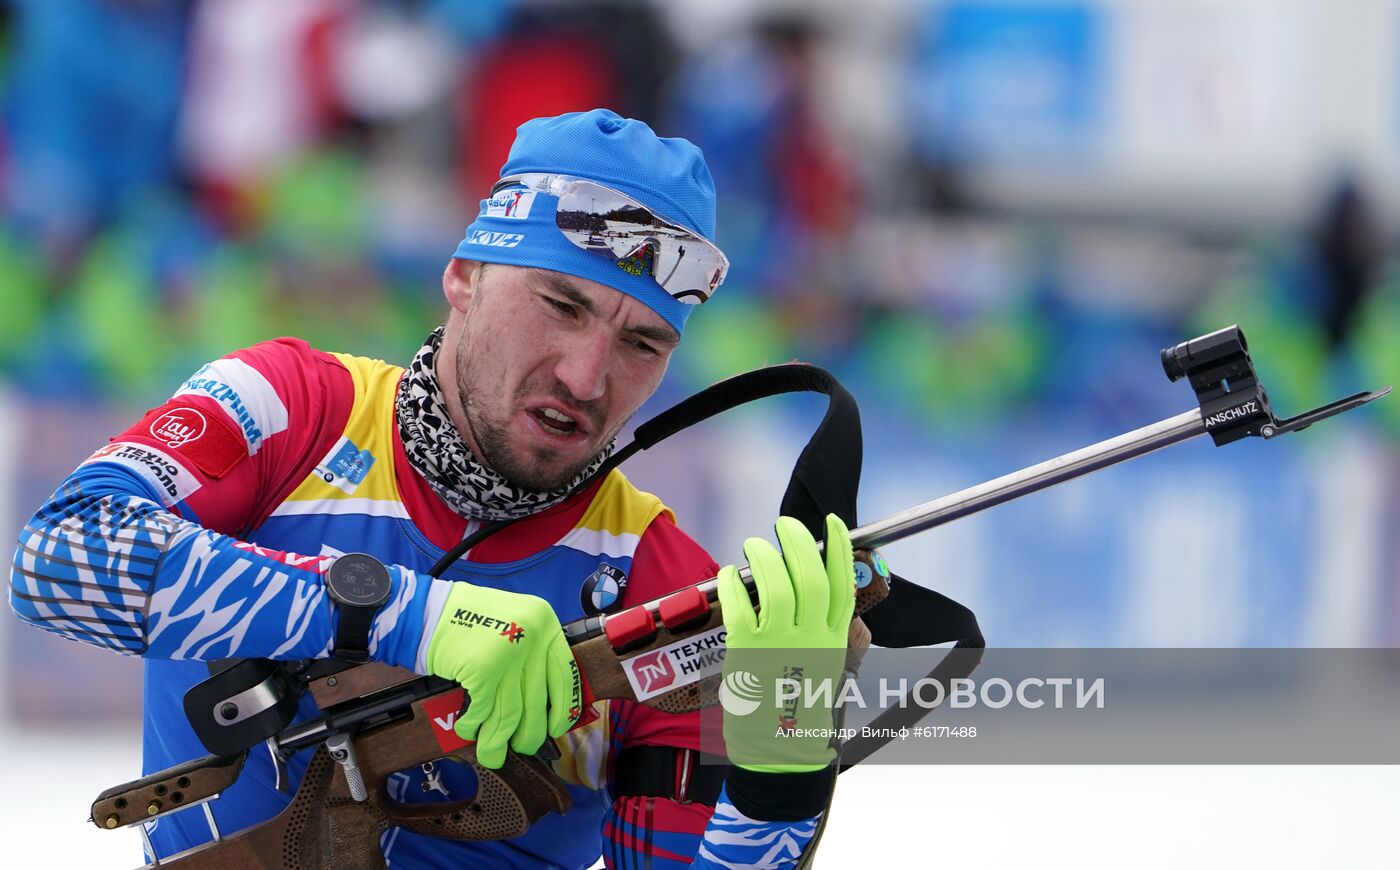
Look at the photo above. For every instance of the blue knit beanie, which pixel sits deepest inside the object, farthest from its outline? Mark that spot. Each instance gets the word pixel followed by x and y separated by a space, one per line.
pixel 669 176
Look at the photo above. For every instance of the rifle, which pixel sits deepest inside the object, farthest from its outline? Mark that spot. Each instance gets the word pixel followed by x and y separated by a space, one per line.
pixel 378 720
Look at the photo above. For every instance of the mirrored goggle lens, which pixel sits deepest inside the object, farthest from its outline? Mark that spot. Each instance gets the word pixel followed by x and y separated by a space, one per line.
pixel 611 224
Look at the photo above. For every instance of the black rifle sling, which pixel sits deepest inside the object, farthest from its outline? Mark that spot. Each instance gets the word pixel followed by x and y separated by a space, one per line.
pixel 827 473
pixel 825 479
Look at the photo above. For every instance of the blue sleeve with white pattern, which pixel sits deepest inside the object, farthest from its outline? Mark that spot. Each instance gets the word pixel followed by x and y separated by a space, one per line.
pixel 104 563
pixel 733 840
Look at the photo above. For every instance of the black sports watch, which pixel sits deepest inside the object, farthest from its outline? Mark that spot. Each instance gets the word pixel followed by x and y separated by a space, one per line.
pixel 359 585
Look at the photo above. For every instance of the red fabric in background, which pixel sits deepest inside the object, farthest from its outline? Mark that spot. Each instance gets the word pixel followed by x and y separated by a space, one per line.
pixel 524 77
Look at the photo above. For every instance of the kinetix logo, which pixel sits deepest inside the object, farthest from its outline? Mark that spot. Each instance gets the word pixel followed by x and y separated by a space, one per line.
pixel 787 716
pixel 576 709
pixel 470 618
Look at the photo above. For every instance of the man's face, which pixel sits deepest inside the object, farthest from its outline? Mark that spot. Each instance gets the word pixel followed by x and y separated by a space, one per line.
pixel 545 368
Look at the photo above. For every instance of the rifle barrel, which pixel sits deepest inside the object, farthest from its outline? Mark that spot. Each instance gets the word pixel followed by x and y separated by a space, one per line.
pixel 974 499
pixel 1078 463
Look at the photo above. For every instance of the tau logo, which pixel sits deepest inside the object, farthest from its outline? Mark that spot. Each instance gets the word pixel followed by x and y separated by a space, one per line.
pixel 494 239
pixel 603 589
pixel 178 427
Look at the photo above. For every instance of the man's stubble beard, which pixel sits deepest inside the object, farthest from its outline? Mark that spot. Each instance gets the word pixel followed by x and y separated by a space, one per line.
pixel 493 440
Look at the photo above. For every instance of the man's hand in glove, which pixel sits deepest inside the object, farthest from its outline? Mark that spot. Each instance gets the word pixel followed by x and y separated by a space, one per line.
pixel 799 634
pixel 509 653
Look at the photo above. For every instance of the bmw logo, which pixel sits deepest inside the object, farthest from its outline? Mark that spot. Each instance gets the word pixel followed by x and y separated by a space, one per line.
pixel 603 589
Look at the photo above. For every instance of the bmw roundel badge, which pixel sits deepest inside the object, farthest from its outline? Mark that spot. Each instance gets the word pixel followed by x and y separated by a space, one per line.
pixel 602 590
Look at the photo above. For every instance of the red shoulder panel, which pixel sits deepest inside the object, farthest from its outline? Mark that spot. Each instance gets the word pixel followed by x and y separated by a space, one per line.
pixel 249 427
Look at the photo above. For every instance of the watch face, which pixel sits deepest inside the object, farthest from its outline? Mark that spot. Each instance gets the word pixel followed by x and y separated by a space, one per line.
pixel 358 580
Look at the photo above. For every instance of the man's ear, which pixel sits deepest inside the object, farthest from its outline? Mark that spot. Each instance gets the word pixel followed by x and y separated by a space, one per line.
pixel 459 282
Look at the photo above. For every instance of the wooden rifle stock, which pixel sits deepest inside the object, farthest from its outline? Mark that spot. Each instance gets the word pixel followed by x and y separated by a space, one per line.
pixel 325 827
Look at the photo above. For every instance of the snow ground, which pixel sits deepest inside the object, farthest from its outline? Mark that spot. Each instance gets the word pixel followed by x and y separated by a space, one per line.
pixel 1012 816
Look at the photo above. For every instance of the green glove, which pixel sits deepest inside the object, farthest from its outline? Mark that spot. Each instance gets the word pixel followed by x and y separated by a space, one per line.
pixel 509 653
pixel 799 633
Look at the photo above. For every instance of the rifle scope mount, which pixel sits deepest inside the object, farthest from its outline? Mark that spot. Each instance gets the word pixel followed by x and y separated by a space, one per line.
pixel 1234 404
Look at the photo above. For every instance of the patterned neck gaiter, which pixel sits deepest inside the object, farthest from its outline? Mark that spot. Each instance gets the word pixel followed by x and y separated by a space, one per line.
pixel 437 451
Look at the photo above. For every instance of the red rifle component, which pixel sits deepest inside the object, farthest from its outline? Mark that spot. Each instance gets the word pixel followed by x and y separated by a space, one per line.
pixel 683 608
pixel 589 711
pixel 629 627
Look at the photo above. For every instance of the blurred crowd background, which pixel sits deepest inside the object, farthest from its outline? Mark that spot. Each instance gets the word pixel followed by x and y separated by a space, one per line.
pixel 986 216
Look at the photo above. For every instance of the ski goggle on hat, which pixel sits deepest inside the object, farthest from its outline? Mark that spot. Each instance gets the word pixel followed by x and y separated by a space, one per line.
pixel 617 228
